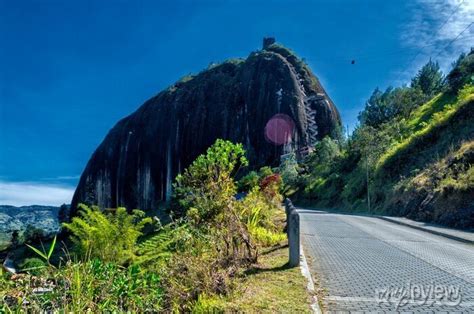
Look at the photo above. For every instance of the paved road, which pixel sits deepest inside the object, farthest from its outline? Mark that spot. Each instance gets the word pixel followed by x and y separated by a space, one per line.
pixel 366 264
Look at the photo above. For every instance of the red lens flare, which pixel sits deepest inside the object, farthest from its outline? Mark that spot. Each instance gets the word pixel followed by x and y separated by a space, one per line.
pixel 279 129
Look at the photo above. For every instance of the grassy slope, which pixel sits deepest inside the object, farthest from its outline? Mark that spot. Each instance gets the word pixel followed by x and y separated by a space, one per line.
pixel 269 287
pixel 442 192
pixel 443 121
pixel 428 175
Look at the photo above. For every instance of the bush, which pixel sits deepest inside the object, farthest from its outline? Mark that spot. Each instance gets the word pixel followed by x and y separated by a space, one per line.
pixel 265 237
pixel 216 240
pixel 248 182
pixel 219 234
pixel 270 187
pixel 208 304
pixel 259 214
pixel 156 251
pixel 208 184
pixel 92 286
pixel 289 174
pixel 111 237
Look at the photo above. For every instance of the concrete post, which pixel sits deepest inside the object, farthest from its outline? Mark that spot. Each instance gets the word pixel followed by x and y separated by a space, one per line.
pixel 288 208
pixel 294 238
pixel 293 232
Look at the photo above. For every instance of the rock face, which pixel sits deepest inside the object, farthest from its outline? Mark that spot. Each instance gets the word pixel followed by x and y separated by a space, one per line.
pixel 135 164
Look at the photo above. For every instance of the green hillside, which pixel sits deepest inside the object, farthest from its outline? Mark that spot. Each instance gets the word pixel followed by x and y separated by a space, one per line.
pixel 429 175
pixel 411 155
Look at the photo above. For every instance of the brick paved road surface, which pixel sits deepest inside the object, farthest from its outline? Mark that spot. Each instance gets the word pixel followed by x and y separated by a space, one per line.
pixel 366 264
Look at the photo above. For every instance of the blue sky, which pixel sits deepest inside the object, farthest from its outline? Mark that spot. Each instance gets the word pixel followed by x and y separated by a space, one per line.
pixel 69 70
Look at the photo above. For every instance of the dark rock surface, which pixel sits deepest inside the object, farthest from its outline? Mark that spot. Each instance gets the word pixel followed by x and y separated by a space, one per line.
pixel 137 161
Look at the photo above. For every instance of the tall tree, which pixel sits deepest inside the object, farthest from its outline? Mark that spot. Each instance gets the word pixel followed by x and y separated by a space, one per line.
pixel 429 79
pixel 378 108
pixel 462 72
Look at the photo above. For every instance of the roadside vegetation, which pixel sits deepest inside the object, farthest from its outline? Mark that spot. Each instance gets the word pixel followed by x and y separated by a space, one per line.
pixel 411 154
pixel 216 249
pixel 269 286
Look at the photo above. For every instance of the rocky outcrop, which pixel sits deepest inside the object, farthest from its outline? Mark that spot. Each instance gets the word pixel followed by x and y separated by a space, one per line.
pixel 137 161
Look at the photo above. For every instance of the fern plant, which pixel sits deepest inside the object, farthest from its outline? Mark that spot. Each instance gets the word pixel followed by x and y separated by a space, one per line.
pixel 111 237
pixel 159 247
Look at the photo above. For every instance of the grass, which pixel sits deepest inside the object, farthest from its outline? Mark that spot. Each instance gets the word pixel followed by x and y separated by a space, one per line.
pixel 422 115
pixel 461 178
pixel 448 184
pixel 270 286
pixel 430 119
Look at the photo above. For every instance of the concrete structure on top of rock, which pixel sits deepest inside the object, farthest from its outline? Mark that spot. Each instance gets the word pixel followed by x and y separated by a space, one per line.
pixel 137 161
pixel 267 41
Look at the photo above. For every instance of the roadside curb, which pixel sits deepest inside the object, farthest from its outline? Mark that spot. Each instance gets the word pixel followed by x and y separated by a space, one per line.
pixel 438 233
pixel 310 286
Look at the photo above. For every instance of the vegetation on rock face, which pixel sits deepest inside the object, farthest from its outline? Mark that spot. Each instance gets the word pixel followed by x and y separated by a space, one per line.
pixel 212 244
pixel 411 154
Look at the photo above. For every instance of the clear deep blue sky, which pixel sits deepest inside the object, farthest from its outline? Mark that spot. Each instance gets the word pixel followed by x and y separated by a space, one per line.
pixel 69 70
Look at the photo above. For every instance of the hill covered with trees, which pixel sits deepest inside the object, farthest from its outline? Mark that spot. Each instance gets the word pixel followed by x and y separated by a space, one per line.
pixel 412 153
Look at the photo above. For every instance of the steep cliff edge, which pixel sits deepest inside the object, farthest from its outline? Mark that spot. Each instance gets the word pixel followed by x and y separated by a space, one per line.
pixel 137 161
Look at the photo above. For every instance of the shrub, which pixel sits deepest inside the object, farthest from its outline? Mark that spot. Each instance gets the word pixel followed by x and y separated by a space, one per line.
pixel 92 286
pixel 208 184
pixel 265 172
pixel 198 270
pixel 258 214
pixel 249 181
pixel 111 237
pixel 270 187
pixel 208 304
pixel 265 237
pixel 289 170
pixel 216 240
pixel 159 248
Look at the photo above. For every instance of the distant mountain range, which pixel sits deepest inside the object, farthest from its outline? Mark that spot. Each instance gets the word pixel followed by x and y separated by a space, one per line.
pixel 18 224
